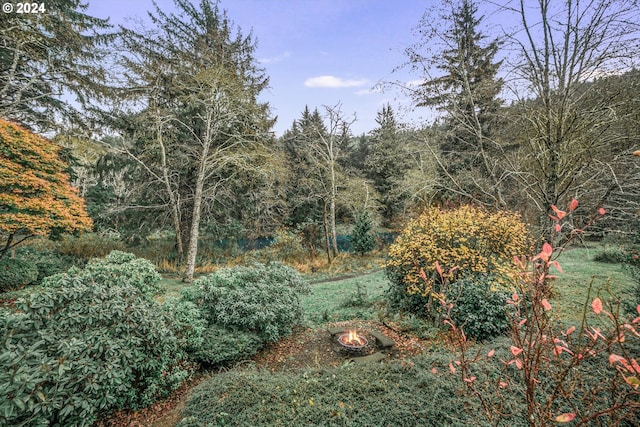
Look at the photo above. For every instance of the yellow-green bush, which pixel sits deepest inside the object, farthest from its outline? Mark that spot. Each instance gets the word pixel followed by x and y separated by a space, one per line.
pixel 469 239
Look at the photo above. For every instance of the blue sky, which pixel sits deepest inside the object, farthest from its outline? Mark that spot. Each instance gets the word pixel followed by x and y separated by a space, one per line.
pixel 318 52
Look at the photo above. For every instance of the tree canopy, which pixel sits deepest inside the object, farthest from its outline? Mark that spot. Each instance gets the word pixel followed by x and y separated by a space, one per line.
pixel 43 55
pixel 36 197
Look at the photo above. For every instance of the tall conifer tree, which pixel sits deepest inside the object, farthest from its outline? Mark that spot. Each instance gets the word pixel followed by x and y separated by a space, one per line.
pixel 465 87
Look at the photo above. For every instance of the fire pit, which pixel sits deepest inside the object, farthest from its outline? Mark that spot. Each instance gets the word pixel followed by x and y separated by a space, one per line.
pixel 352 341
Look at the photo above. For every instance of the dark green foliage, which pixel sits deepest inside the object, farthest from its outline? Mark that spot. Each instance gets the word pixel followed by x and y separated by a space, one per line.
pixel 45 54
pixel 79 347
pixel 16 273
pixel 124 268
pixel 227 316
pixel 466 88
pixel 262 299
pixel 386 164
pixel 388 394
pixel 297 145
pixel 188 323
pixel 612 255
pixel 47 262
pixel 363 238
pixel 480 311
pixel 221 345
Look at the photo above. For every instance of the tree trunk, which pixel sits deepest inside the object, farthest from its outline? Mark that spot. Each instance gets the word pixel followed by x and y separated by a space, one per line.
pixel 332 210
pixel 326 231
pixel 175 212
pixel 332 219
pixel 192 251
pixel 4 250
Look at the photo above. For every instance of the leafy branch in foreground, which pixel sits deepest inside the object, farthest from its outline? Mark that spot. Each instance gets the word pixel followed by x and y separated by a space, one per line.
pixel 582 373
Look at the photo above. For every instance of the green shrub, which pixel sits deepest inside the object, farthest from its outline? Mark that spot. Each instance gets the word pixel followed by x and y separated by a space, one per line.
pixel 261 299
pixel 481 312
pixel 47 262
pixel 363 238
pixel 16 273
pixel 387 394
pixel 121 267
pixel 466 241
pixel 612 255
pixel 222 346
pixel 188 323
pixel 78 348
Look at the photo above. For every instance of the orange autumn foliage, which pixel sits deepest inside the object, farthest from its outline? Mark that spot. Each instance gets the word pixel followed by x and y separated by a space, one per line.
pixel 36 197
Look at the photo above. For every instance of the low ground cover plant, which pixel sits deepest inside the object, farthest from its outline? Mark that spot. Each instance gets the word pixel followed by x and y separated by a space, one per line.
pixel 390 394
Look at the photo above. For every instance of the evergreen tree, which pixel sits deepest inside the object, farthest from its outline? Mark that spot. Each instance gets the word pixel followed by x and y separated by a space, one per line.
pixel 386 164
pixel 303 196
pixel 43 54
pixel 316 146
pixel 363 239
pixel 466 90
pixel 203 129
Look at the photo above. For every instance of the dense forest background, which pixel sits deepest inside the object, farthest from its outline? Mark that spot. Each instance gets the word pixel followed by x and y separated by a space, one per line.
pixel 167 134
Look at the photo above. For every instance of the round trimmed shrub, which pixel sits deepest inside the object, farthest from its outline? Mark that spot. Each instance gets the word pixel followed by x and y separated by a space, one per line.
pixel 122 267
pixel 16 273
pixel 261 299
pixel 464 241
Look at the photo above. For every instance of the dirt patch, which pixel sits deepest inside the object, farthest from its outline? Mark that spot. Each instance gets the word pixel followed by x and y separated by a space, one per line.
pixel 314 348
pixel 165 413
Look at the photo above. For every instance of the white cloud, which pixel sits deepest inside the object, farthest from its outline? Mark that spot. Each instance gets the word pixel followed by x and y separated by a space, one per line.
pixel 274 59
pixel 333 82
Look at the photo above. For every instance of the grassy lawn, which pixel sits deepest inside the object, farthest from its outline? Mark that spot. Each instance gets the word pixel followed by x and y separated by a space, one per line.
pixel 170 288
pixel 334 301
pixel 580 270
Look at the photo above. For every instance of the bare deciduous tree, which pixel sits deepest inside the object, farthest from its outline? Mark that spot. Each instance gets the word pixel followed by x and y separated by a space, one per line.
pixel 563 46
